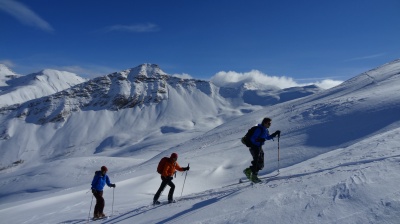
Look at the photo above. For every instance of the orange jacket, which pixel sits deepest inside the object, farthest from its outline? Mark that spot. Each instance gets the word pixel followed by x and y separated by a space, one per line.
pixel 170 167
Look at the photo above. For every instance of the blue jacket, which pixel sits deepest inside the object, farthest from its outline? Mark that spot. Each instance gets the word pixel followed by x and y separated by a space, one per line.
pixel 260 135
pixel 99 181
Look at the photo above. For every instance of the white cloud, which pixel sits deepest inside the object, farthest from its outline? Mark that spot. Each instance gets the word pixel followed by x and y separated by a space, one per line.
pixel 232 78
pixel 24 14
pixel 183 76
pixel 327 83
pixel 366 57
pixel 137 28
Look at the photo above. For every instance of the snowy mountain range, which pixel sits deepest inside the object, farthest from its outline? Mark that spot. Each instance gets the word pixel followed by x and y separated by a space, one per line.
pixel 138 87
pixel 338 153
pixel 16 89
pixel 138 102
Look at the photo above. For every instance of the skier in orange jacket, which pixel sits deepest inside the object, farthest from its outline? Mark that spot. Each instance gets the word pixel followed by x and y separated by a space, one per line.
pixel 168 171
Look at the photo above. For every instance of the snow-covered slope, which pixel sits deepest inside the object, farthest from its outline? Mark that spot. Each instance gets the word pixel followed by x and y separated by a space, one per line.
pixel 274 96
pixel 6 74
pixel 16 89
pixel 338 164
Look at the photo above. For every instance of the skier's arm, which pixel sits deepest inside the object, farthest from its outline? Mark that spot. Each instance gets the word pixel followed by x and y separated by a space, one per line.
pixel 275 134
pixel 108 181
pixel 179 168
pixel 268 136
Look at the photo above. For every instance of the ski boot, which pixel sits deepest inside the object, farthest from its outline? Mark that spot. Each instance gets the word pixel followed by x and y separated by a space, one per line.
pixel 156 202
pixel 96 216
pixel 255 179
pixel 248 173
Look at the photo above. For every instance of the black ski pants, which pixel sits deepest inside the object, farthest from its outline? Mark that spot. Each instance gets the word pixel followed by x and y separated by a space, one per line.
pixel 98 208
pixel 165 181
pixel 258 159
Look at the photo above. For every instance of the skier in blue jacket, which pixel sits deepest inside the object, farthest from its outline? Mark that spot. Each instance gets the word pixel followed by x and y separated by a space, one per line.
pixel 257 141
pixel 100 179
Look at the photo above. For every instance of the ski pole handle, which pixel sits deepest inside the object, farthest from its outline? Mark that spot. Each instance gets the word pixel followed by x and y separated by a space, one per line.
pixel 185 170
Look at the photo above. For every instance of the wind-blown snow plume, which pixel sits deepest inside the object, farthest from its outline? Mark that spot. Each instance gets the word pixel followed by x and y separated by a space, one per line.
pixel 234 79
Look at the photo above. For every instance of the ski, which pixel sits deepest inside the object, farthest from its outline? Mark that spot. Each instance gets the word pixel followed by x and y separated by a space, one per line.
pixel 99 219
pixel 164 203
pixel 246 180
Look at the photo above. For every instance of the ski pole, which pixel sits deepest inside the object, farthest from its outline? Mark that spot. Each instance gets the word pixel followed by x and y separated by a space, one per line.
pixel 112 207
pixel 278 153
pixel 90 209
pixel 184 181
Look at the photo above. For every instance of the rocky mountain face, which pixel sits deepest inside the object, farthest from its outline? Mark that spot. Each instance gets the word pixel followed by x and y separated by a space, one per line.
pixel 144 85
pixel 137 87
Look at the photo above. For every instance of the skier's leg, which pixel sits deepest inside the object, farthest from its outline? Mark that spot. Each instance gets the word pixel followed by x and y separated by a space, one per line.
pixel 171 190
pixel 255 152
pixel 98 208
pixel 160 189
pixel 260 164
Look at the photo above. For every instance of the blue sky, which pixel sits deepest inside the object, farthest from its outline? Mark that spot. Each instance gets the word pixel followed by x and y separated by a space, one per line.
pixel 305 40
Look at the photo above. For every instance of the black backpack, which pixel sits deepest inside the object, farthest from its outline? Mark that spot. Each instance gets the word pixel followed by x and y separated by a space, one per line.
pixel 246 139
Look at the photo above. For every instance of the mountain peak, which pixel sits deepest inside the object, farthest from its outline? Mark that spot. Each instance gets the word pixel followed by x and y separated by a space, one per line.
pixel 5 71
pixel 6 74
pixel 146 70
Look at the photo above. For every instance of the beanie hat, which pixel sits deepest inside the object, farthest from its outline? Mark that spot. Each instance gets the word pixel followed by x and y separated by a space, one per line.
pixel 174 155
pixel 104 168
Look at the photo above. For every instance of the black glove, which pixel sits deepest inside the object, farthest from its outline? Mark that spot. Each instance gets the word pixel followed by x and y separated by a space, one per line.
pixel 186 168
pixel 276 133
pixel 94 191
pixel 113 185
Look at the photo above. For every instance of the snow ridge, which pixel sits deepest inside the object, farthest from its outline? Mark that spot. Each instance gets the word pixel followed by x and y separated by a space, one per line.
pixel 17 89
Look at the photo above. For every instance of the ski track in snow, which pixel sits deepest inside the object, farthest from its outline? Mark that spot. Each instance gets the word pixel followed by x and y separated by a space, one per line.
pixel 355 175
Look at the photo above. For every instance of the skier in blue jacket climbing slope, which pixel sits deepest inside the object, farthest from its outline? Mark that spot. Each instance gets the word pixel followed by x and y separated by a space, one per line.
pixel 100 179
pixel 257 141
